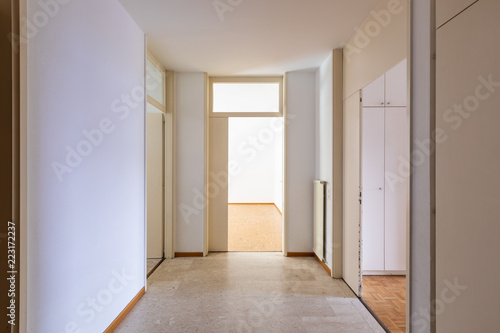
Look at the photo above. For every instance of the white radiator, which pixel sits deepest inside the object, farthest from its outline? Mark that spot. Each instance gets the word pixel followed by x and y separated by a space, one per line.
pixel 319 219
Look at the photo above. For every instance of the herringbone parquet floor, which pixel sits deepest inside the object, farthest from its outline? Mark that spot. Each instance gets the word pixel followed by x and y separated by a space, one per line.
pixel 386 296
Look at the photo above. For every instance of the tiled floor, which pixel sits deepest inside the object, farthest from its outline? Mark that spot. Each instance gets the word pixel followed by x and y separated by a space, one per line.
pixel 386 296
pixel 247 292
pixel 254 227
pixel 151 263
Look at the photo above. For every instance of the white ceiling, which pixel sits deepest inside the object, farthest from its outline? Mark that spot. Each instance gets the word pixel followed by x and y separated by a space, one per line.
pixel 256 37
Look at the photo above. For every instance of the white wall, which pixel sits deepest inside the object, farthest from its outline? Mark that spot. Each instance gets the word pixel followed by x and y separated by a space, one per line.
pixel 278 163
pixel 421 191
pixel 252 147
pixel 300 159
pixel 378 45
pixel 324 142
pixel 189 161
pixel 86 216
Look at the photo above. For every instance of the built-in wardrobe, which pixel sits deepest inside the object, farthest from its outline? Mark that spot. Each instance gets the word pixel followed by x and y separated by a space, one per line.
pixel 384 173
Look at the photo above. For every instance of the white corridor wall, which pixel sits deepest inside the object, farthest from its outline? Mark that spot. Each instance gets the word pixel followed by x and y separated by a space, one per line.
pixel 300 159
pixel 189 161
pixel 86 165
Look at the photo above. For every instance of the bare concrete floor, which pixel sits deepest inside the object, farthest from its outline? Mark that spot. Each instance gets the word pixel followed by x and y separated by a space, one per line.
pixel 247 292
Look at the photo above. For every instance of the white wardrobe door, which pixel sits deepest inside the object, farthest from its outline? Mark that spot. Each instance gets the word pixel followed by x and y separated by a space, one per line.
pixel 396 188
pixel 467 168
pixel 372 183
pixel 446 9
pixel 373 94
pixel 396 85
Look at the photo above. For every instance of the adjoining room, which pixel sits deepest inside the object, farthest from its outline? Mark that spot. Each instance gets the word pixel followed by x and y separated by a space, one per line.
pixel 255 195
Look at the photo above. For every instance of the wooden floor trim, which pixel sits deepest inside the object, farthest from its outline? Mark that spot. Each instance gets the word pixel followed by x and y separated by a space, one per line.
pixel 188 254
pixel 300 254
pixel 246 203
pixel 327 269
pixel 251 203
pixel 125 311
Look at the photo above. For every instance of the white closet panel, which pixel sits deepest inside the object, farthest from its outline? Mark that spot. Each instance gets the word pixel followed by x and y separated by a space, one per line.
pixel 396 188
pixel 396 86
pixel 384 183
pixel 372 183
pixel 373 94
pixel 467 168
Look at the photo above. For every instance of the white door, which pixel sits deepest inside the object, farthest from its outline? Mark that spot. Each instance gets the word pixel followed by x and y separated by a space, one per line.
pixel 352 213
pixel 396 93
pixel 218 185
pixel 374 93
pixel 372 188
pixel 154 177
pixel 396 188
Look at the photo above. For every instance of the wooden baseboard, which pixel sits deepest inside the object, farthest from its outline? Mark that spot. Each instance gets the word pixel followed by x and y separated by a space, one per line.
pixel 300 254
pixel 125 311
pixel 385 273
pixel 327 269
pixel 251 203
pixel 188 254
pixel 256 203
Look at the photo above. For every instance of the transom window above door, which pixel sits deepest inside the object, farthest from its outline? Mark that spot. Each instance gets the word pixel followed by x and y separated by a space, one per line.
pixel 243 97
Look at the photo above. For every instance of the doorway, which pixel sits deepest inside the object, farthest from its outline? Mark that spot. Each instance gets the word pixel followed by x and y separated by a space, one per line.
pixel 376 195
pixel 159 132
pixel 255 191
pixel 245 164
pixel 384 196
pixel 155 182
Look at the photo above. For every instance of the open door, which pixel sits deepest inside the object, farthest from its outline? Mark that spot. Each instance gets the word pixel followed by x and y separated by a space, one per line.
pixel 155 182
pixel 218 184
pixel 352 199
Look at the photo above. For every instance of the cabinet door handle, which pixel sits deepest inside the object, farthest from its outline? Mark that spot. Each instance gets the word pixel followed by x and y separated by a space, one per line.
pixel 388 103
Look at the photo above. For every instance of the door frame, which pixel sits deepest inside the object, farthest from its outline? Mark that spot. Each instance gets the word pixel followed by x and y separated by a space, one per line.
pixel 168 109
pixel 210 114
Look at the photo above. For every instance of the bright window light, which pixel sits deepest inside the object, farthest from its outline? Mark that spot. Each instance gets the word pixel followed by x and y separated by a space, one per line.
pixel 155 84
pixel 246 97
